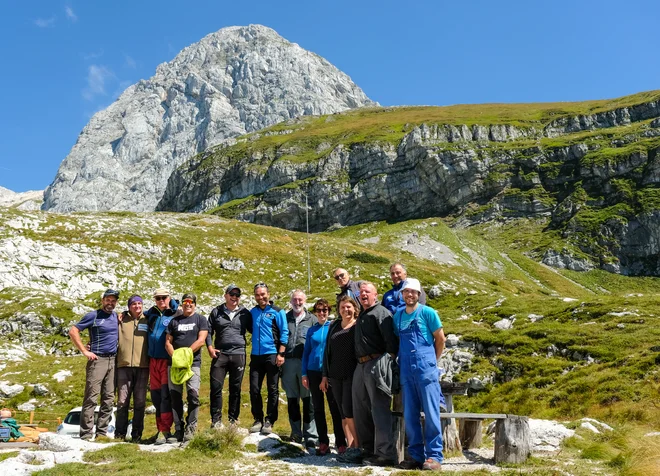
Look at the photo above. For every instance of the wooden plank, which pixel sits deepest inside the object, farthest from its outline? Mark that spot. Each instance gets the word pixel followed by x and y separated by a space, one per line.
pixel 475 416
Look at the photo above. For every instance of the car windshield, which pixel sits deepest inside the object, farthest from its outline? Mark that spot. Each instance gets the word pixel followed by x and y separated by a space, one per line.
pixel 73 418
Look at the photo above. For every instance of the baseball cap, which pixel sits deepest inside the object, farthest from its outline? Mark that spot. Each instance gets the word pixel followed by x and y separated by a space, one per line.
pixel 161 292
pixel 111 292
pixel 233 287
pixel 412 283
pixel 189 296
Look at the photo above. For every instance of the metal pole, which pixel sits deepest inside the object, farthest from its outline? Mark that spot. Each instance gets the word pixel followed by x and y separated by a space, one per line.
pixel 309 266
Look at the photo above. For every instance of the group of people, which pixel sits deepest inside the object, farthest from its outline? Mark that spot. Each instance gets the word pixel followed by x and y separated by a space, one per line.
pixel 374 349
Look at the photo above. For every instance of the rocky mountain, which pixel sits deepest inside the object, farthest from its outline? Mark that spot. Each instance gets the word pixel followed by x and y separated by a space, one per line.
pixel 590 170
pixel 31 200
pixel 237 80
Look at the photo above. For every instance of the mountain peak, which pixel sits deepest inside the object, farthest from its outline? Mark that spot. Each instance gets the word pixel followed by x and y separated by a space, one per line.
pixel 236 80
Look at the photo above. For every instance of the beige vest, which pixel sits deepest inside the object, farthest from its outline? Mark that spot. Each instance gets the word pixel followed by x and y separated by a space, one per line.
pixel 132 350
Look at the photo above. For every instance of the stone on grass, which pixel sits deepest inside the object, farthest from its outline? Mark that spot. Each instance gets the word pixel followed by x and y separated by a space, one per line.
pixel 9 391
pixel 504 324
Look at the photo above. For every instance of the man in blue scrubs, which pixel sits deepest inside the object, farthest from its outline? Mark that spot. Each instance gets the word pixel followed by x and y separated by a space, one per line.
pixel 421 342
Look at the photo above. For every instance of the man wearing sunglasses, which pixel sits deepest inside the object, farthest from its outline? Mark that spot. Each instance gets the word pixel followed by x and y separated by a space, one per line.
pixel 269 339
pixel 347 286
pixel 228 323
pixel 103 326
pixel 159 316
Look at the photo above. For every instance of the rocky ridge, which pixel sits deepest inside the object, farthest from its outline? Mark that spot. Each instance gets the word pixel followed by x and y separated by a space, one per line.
pixel 233 81
pixel 593 177
pixel 31 200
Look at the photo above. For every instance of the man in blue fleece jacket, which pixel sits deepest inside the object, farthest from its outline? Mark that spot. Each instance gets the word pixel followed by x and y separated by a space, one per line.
pixel 270 336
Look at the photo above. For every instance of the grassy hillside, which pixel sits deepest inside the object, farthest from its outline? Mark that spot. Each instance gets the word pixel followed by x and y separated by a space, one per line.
pixel 594 352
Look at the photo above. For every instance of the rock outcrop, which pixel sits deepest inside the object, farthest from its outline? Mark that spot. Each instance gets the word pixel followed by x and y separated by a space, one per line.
pixel 598 188
pixel 31 200
pixel 237 80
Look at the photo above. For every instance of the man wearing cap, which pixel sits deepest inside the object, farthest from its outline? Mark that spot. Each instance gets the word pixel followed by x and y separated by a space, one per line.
pixel 269 338
pixel 159 317
pixel 393 299
pixel 347 286
pixel 228 323
pixel 374 337
pixel 132 368
pixel 421 342
pixel 299 320
pixel 187 330
pixel 100 373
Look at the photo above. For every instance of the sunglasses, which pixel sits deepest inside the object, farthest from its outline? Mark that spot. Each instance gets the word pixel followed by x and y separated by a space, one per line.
pixel 188 301
pixel 340 276
pixel 233 294
pixel 323 309
pixel 161 298
pixel 260 285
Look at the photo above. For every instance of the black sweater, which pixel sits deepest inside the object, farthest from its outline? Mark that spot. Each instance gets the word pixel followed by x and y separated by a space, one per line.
pixel 229 333
pixel 374 332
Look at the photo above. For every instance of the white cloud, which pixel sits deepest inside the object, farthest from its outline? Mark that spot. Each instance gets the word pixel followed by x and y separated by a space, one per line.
pixel 97 77
pixel 70 14
pixel 130 62
pixel 45 22
pixel 92 55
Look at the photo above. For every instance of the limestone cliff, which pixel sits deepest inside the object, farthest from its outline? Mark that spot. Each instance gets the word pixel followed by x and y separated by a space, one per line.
pixel 590 169
pixel 237 80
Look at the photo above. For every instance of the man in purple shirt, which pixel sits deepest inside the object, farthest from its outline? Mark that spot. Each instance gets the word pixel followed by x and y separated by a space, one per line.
pixel 103 328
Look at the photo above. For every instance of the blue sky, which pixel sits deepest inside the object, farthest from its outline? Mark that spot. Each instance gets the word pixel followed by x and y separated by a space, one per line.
pixel 64 60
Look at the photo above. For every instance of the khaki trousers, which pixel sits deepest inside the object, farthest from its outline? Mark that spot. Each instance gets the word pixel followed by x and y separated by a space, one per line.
pixel 99 379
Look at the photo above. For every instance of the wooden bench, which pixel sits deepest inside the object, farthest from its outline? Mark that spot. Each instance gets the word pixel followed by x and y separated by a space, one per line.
pixel 512 435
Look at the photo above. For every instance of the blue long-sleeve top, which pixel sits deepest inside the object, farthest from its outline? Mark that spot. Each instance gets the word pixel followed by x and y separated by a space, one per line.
pixel 317 335
pixel 269 330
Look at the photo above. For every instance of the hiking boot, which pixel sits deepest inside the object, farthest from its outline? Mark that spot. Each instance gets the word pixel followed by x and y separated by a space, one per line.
pixel 378 461
pixel 410 464
pixel 352 456
pixel 341 450
pixel 322 450
pixel 161 438
pixel 177 437
pixel 267 429
pixel 218 425
pixel 256 426
pixel 87 437
pixel 296 438
pixel 189 434
pixel 310 443
pixel 431 465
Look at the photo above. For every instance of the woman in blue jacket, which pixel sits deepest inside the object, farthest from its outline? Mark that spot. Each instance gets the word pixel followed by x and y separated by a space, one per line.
pixel 312 373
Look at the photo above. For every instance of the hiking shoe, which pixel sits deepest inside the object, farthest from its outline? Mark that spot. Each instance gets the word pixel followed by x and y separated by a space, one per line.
pixel 256 426
pixel 310 443
pixel 341 450
pixel 378 461
pixel 267 429
pixel 410 464
pixel 87 437
pixel 352 456
pixel 431 465
pixel 161 438
pixel 218 425
pixel 177 437
pixel 295 438
pixel 322 450
pixel 189 434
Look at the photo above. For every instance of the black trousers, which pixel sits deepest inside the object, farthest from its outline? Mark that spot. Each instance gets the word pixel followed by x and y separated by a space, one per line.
pixel 319 411
pixel 234 365
pixel 264 366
